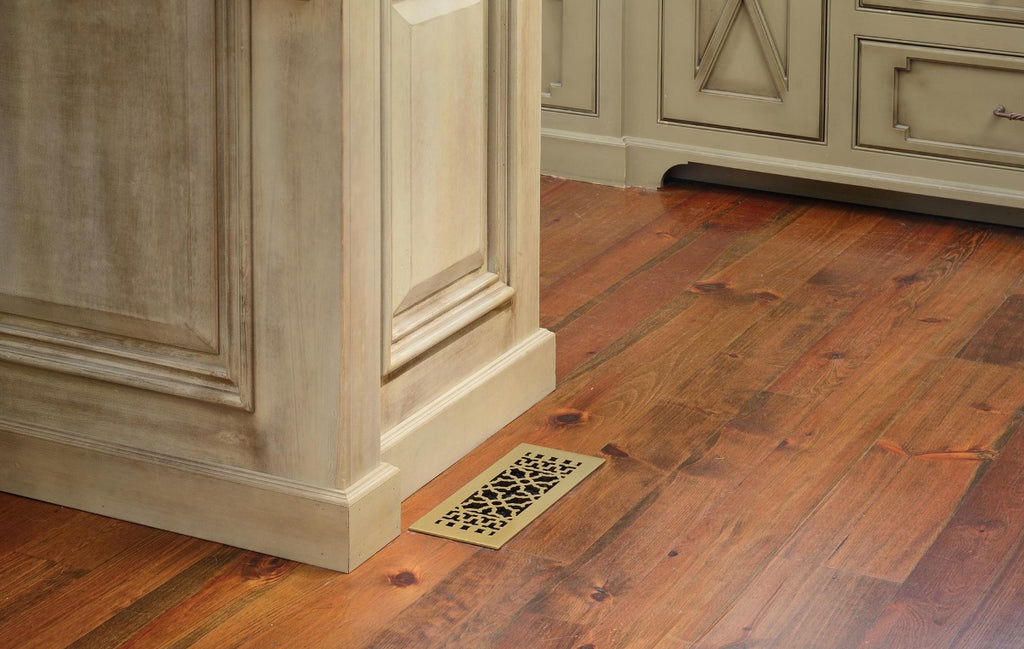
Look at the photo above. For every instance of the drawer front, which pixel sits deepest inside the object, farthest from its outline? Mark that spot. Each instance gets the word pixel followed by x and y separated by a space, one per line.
pixel 940 102
pixel 1002 10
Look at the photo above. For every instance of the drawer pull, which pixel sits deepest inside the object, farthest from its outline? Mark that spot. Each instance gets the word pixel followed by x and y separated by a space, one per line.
pixel 1000 111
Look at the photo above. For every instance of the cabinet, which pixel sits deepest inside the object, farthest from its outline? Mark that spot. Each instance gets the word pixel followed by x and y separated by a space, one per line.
pixel 266 266
pixel 885 101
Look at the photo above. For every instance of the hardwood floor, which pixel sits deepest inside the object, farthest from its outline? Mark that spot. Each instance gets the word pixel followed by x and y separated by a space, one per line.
pixel 811 415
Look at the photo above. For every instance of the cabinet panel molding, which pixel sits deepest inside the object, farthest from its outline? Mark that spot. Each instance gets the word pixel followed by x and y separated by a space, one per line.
pixel 940 102
pixel 569 75
pixel 1008 10
pixel 438 205
pixel 125 180
pixel 744 64
pixel 445 243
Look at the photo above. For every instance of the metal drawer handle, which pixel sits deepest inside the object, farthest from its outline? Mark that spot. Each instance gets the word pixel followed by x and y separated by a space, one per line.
pixel 1000 111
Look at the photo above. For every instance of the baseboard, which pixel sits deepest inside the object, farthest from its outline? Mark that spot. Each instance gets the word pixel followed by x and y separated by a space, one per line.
pixel 648 161
pixel 641 162
pixel 860 195
pixel 332 528
pixel 336 529
pixel 591 158
pixel 435 437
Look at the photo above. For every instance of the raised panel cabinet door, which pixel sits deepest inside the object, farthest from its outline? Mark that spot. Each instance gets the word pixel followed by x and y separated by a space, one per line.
pixel 751 65
pixel 124 193
pixel 444 241
pixel 569 55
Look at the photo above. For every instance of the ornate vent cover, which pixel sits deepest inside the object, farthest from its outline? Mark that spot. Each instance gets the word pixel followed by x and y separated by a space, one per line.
pixel 507 496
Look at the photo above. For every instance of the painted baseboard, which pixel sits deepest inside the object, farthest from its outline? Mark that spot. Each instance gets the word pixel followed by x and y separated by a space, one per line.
pixel 641 162
pixel 436 436
pixel 648 160
pixel 336 529
pixel 332 528
pixel 591 158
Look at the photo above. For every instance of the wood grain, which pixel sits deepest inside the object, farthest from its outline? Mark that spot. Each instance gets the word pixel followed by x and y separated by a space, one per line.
pixel 689 216
pixel 999 341
pixel 950 587
pixel 1000 618
pixel 937 447
pixel 573 237
pixel 92 600
pixel 812 434
pixel 786 604
pixel 672 270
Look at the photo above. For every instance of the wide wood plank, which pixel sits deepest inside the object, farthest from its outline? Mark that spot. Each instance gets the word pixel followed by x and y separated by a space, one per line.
pixel 673 229
pixel 735 540
pixel 25 519
pixel 876 522
pixel 30 580
pixel 313 607
pixel 145 622
pixel 580 225
pixel 999 621
pixel 950 585
pixel 83 543
pixel 462 609
pixel 90 601
pixel 812 416
pixel 627 303
pixel 1000 340
pixel 793 604
pixel 721 305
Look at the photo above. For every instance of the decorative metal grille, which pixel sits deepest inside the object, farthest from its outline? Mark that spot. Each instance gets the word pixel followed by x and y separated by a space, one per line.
pixel 490 510
pixel 495 505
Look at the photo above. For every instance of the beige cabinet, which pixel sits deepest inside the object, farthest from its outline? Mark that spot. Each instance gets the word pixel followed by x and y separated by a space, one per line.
pixel 266 266
pixel 887 101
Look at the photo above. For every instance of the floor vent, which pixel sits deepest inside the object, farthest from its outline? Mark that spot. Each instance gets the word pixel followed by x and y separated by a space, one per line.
pixel 507 496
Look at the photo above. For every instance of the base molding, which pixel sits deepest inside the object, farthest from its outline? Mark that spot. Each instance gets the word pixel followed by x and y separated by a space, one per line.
pixel 436 436
pixel 591 158
pixel 647 161
pixel 642 162
pixel 332 528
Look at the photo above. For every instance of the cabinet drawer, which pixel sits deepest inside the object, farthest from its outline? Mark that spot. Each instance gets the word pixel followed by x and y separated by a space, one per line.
pixel 1003 10
pixel 939 102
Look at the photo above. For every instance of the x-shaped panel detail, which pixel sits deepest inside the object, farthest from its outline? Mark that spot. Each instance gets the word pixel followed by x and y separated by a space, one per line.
pixel 720 35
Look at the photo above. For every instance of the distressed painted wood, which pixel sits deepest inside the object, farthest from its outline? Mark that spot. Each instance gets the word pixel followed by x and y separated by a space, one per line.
pixel 225 225
pixel 126 253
